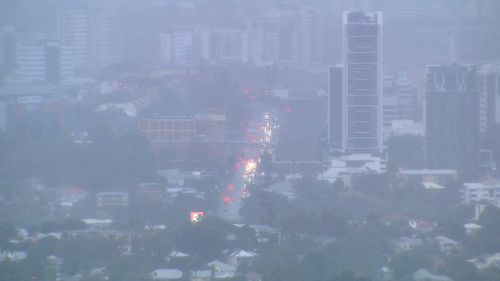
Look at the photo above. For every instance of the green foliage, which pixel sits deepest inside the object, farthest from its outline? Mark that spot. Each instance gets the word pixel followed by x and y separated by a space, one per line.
pixel 460 270
pixel 37 149
pixel 406 263
pixel 490 219
pixel 65 225
pixel 7 232
pixel 280 264
pixel 125 269
pixel 204 240
pixel 264 208
pixel 348 276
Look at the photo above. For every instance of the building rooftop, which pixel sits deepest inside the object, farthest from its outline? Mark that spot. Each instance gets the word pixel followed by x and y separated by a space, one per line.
pixel 166 274
pixel 429 172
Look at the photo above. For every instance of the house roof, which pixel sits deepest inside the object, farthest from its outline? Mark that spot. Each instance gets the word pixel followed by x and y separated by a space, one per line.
pixel 166 274
pixel 472 226
pixel 14 256
pixel 201 273
pixel 424 172
pixel 423 274
pixel 445 240
pixel 431 185
pixel 244 254
pixel 178 254
pixel 221 266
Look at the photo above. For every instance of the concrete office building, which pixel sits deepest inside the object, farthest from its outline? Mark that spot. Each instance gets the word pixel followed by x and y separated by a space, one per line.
pixel 489 96
pixel 399 100
pixel 362 55
pixel 184 46
pixel 94 29
pixel 42 60
pixel 335 107
pixel 8 48
pixel 452 118
pixel 311 31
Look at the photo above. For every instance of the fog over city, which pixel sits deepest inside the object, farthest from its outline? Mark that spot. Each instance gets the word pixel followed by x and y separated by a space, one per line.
pixel 249 140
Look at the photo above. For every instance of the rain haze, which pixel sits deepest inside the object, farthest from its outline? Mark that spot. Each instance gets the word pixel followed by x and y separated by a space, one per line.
pixel 249 140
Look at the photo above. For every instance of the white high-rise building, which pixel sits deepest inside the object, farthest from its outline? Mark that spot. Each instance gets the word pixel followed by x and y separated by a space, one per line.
pixel 94 30
pixel 41 60
pixel 489 96
pixel 8 47
pixel 281 36
pixel 255 43
pixel 185 45
pixel 311 35
pixel 228 45
pixel 362 106
pixel 73 24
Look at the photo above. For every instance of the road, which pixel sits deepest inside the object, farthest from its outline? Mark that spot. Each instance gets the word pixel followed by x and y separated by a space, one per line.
pixel 230 210
pixel 233 194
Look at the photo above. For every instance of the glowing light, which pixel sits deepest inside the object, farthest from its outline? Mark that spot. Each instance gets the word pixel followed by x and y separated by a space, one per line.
pixel 231 186
pixel 251 166
pixel 196 217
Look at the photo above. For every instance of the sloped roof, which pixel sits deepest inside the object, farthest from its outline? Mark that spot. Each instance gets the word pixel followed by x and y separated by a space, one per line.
pixel 178 254
pixel 244 254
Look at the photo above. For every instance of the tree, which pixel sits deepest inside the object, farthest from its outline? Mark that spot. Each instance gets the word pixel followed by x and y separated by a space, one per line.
pixel 461 270
pixel 406 151
pixel 7 232
pixel 203 240
pixel 348 276
pixel 264 208
pixel 490 219
pixel 406 263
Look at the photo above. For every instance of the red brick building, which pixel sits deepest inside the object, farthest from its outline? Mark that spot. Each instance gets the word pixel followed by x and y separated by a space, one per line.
pixel 188 137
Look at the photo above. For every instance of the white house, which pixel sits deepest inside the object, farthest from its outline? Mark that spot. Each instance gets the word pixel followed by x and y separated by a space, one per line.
pixel 166 274
pixel 241 257
pixel 425 275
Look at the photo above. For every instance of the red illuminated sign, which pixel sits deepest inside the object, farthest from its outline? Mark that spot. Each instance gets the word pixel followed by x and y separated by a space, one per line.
pixel 196 217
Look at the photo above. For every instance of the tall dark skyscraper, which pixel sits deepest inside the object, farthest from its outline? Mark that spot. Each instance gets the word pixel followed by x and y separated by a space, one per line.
pixel 8 47
pixel 452 118
pixel 335 104
pixel 362 55
pixel 489 97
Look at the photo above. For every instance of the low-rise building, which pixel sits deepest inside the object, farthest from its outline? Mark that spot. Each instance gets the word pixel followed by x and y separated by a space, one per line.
pixel 407 243
pixel 112 199
pixel 428 175
pixel 166 274
pixel 201 275
pixel 472 228
pixel 425 275
pixel 240 257
pixel 222 270
pixel 344 167
pixel 446 245
pixel 13 256
pixel 486 261
pixel 481 193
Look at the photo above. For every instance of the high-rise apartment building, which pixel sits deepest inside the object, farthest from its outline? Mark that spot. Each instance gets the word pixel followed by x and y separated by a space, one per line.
pixel 184 45
pixel 8 48
pixel 489 96
pixel 452 118
pixel 43 60
pixel 362 56
pixel 399 100
pixel 311 34
pixel 335 105
pixel 94 30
